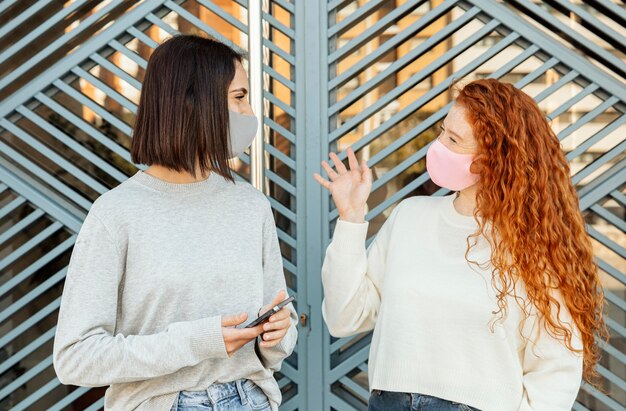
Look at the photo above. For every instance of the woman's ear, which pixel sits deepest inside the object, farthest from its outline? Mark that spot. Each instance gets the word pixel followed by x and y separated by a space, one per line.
pixel 477 165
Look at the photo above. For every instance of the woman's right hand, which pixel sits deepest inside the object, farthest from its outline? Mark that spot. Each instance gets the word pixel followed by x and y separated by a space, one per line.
pixel 235 338
pixel 349 188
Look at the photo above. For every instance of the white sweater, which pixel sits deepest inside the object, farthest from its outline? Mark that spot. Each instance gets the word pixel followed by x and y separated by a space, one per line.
pixel 431 310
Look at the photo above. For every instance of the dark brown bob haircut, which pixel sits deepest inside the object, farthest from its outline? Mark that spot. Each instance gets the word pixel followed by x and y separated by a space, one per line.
pixel 182 118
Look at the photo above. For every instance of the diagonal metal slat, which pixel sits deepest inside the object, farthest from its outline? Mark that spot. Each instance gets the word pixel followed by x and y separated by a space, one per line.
pixel 58 43
pixel 95 43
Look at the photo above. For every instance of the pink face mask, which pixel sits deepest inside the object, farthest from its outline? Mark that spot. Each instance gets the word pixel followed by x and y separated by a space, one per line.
pixel 449 169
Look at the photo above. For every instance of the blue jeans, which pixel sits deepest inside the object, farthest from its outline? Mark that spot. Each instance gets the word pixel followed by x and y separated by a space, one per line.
pixel 240 395
pixel 400 401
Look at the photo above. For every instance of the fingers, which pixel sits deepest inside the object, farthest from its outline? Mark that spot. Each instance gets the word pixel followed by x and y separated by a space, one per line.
pixel 255 332
pixel 235 338
pixel 276 328
pixel 234 320
pixel 273 338
pixel 329 170
pixel 352 161
pixel 366 172
pixel 282 295
pixel 324 183
pixel 279 298
pixel 268 344
pixel 275 335
pixel 282 315
pixel 247 334
pixel 338 163
pixel 277 325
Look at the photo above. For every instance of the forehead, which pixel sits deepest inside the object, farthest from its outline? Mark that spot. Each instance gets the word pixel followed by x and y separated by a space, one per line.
pixel 241 78
pixel 456 122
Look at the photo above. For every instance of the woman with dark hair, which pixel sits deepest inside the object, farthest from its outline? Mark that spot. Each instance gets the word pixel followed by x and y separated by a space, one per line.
pixel 488 298
pixel 170 264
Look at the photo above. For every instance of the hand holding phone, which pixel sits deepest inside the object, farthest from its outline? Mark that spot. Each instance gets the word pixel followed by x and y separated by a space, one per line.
pixel 235 338
pixel 266 316
pixel 276 320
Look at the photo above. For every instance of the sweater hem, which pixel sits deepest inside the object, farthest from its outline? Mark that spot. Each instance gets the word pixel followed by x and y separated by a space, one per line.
pixel 480 397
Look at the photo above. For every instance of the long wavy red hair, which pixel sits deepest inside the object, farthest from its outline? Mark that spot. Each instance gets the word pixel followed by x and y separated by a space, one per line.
pixel 527 201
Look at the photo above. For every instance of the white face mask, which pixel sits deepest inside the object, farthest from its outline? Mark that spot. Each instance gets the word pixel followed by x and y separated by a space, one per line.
pixel 242 131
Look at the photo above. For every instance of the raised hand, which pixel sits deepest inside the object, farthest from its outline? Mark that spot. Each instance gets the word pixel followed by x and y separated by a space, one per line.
pixel 349 188
pixel 278 325
pixel 235 338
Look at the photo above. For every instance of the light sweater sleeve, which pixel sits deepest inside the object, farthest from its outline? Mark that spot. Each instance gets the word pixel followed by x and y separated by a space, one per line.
pixel 352 277
pixel 552 373
pixel 273 282
pixel 88 352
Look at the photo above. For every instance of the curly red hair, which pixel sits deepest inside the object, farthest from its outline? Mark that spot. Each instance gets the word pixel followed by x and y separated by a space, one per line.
pixel 527 201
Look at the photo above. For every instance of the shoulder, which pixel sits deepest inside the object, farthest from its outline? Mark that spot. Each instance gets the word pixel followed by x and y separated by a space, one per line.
pixel 243 199
pixel 245 191
pixel 119 207
pixel 416 211
pixel 118 199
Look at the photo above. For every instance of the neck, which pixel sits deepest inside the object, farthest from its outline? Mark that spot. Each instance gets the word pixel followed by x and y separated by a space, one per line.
pixel 465 202
pixel 172 176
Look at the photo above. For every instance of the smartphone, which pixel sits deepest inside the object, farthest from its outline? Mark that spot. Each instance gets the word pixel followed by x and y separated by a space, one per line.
pixel 265 317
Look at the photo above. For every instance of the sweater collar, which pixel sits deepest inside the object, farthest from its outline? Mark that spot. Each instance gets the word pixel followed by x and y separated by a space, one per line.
pixel 453 216
pixel 155 183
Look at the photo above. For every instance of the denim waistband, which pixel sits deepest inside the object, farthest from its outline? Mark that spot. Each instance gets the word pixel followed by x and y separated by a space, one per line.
pixel 217 392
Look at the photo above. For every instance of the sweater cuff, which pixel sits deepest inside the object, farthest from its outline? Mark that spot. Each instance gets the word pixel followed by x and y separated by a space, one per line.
pixel 282 347
pixel 350 237
pixel 274 355
pixel 208 342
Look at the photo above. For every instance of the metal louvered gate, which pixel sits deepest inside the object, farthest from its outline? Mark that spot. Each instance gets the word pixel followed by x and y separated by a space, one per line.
pixel 326 75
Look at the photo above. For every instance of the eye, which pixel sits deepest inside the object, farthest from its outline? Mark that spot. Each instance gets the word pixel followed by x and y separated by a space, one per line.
pixel 453 140
pixel 241 97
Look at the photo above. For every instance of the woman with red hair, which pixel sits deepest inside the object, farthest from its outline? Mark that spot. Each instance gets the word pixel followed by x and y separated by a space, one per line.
pixel 488 298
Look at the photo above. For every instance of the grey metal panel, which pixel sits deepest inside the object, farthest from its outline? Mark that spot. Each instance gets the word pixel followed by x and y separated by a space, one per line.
pixel 550 45
pixel 302 92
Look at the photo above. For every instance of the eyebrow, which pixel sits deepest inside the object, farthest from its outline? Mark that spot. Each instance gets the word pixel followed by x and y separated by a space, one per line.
pixel 242 90
pixel 452 132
